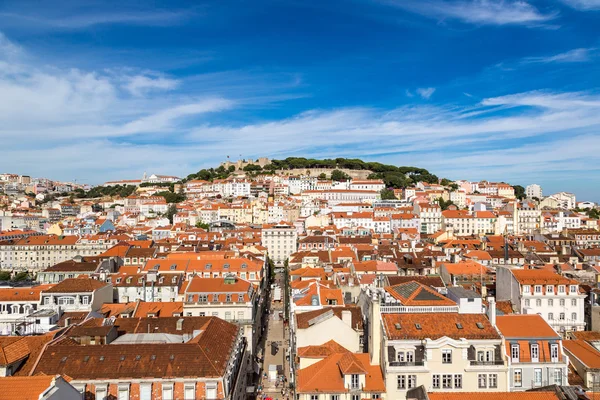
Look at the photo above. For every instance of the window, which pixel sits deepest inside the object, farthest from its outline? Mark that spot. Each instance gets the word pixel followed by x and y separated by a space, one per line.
pixel 401 380
pixel 354 381
pixel 211 391
pixel 227 315
pixel 574 302
pixel 517 378
pixel 537 377
pixel 550 302
pixel 375 396
pixel 534 352
pixel 561 289
pixel 538 302
pixel 561 316
pixel 562 302
pixel 101 393
pixel 435 383
pixel 550 316
pixel 526 289
pixel 446 356
pixel 538 289
pixel 335 397
pixel 63 301
pixel 514 352
pixel 526 302
pixel 493 381
pixel 356 397
pixel 123 393
pixel 574 316
pixel 400 356
pixel 314 397
pixel 85 300
pixel 549 289
pixel 573 289
pixel 412 381
pixel 457 381
pixel 480 355
pixel 558 376
pixel 481 381
pixel 554 352
pixel 410 357
pixel 447 381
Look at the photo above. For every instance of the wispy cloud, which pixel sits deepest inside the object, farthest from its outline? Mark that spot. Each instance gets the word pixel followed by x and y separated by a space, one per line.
pixel 584 5
pixel 571 56
pixel 140 84
pixel 478 12
pixel 426 93
pixel 69 18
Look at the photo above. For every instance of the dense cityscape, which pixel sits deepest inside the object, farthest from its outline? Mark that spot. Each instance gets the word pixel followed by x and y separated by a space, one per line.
pixel 298 278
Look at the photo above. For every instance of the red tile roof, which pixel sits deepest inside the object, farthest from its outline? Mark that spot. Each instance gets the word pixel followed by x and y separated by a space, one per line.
pixel 76 285
pixel 436 325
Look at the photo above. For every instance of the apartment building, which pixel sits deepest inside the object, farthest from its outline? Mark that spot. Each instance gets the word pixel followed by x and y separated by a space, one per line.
pixel 35 253
pixel 280 241
pixel 430 216
pixel 534 350
pixel 556 298
pixel 181 358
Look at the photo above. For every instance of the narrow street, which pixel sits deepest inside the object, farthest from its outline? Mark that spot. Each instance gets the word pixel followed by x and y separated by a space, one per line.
pixel 274 378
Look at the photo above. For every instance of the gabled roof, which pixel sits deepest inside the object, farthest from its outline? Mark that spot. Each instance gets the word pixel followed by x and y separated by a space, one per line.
pixel 322 351
pixel 584 352
pixel 417 294
pixel 25 387
pixel 327 376
pixel 303 319
pixel 76 285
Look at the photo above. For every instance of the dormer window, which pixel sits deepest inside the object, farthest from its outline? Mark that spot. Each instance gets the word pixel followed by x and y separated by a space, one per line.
pixel 534 352
pixel 215 297
pixel 573 289
pixel 526 288
pixel 561 288
pixel 554 352
pixel 549 289
pixel 538 288
pixel 514 352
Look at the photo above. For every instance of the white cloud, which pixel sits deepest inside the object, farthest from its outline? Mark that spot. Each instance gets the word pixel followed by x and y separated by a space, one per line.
pixel 584 5
pixel 141 84
pixel 479 12
pixel 409 93
pixel 425 93
pixel 571 56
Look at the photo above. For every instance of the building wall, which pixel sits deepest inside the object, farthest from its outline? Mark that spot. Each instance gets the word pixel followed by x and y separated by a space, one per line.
pixel 330 329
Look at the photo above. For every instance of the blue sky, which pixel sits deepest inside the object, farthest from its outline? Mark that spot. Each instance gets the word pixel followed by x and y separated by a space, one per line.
pixel 498 90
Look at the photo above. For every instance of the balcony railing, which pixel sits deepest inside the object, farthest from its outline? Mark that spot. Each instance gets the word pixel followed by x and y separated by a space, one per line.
pixel 493 362
pixel 407 363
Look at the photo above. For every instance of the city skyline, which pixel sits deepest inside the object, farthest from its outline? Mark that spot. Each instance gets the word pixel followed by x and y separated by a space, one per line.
pixel 503 91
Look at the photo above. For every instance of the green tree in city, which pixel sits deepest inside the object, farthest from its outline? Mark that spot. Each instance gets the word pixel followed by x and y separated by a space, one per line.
pixel 387 194
pixel 171 211
pixel 338 175
pixel 4 276
pixel 202 225
pixel 519 192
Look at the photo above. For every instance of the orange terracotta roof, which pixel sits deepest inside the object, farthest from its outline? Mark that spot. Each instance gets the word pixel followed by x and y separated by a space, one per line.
pixel 327 376
pixel 525 326
pixel 437 325
pixel 540 277
pixel 76 285
pixel 23 293
pixel 24 387
pixel 584 352
pixel 322 351
pixel 158 309
pixel 494 396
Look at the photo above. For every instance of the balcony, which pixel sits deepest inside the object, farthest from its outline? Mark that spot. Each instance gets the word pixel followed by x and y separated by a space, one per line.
pixel 479 363
pixel 406 363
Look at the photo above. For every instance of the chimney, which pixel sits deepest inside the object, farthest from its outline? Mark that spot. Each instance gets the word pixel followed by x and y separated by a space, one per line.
pixel 347 317
pixel 180 324
pixel 375 330
pixel 491 311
